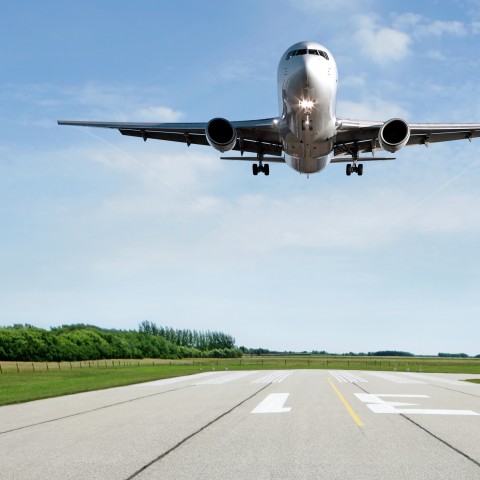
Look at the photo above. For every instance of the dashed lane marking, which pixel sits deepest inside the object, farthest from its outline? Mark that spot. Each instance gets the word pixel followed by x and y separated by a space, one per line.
pixel 224 378
pixel 437 379
pixel 274 377
pixel 394 378
pixel 343 376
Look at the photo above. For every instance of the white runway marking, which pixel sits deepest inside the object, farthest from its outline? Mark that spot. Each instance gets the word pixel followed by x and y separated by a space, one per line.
pixel 343 376
pixel 376 404
pixel 273 404
pixel 170 381
pixel 224 378
pixel 437 379
pixel 393 378
pixel 274 377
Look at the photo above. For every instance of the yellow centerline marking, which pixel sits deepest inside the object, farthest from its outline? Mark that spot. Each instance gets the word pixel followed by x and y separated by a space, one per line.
pixel 346 404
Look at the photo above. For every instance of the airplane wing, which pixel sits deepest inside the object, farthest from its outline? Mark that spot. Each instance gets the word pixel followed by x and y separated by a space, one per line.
pixel 362 136
pixel 252 135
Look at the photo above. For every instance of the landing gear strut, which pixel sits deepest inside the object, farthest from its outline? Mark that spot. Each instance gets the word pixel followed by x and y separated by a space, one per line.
pixel 358 169
pixel 260 167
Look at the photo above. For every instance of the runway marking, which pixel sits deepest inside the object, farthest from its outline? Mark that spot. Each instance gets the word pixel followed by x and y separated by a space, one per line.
pixel 346 404
pixel 343 376
pixel 224 378
pixel 273 403
pixel 438 379
pixel 376 404
pixel 171 381
pixel 393 378
pixel 275 377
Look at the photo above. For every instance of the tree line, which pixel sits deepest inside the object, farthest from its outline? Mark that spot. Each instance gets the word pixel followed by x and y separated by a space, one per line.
pixel 87 342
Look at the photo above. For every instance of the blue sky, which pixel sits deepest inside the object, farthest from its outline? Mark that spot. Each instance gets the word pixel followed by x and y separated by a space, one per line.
pixel 104 229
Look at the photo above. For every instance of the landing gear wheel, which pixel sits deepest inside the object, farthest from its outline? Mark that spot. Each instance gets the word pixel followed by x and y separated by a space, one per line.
pixel 349 169
pixel 360 169
pixel 255 169
pixel 266 169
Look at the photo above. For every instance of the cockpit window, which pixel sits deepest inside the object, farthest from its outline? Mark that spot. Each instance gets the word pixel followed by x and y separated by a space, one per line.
pixel 318 52
pixel 304 51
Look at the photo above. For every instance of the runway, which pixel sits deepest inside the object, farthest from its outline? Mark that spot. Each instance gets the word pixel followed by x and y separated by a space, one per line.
pixel 285 424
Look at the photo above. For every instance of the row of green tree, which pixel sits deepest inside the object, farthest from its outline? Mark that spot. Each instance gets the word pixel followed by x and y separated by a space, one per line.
pixel 88 342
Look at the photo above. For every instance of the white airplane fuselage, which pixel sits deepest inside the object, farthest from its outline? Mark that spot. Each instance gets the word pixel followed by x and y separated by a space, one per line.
pixel 307 89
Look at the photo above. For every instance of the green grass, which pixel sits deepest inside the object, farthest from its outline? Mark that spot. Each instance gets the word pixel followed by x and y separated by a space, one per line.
pixel 26 386
pixel 473 380
pixel 24 381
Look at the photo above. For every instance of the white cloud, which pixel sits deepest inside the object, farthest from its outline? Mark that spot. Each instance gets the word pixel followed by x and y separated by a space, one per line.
pixel 344 6
pixel 440 27
pixel 372 108
pixel 420 26
pixel 156 114
pixel 97 101
pixel 380 44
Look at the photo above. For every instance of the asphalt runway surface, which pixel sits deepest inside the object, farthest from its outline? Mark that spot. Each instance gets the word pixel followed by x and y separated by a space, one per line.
pixel 283 424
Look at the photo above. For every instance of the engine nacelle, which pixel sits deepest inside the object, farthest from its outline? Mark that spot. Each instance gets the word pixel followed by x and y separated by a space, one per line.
pixel 394 135
pixel 221 134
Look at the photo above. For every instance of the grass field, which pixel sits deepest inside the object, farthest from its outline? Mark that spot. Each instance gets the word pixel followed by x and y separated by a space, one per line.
pixel 26 381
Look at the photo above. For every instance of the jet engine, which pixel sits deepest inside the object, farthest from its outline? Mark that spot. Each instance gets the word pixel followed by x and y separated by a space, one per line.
pixel 221 134
pixel 394 135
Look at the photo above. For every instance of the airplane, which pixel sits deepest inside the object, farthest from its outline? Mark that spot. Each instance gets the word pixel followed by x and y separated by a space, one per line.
pixel 307 135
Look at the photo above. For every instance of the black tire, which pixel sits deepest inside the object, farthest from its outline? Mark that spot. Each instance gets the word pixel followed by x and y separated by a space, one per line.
pixel 266 169
pixel 349 169
pixel 360 169
pixel 255 169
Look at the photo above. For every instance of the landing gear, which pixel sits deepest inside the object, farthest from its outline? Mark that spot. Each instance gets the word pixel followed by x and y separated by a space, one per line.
pixel 355 168
pixel 260 167
pixel 358 169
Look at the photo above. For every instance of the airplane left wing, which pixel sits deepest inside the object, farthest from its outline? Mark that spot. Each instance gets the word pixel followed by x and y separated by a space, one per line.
pixel 255 136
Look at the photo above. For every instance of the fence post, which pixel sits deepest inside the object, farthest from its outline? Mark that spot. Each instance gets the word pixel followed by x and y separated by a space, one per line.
pixel 46 363
pixel 18 370
pixel 59 365
pixel 1 371
pixel 71 365
pixel 33 367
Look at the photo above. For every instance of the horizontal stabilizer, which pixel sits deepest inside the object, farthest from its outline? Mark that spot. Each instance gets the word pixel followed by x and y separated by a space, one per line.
pixel 360 159
pixel 256 159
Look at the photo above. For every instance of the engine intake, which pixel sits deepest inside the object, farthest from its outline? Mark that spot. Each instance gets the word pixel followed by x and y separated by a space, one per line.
pixel 221 134
pixel 394 135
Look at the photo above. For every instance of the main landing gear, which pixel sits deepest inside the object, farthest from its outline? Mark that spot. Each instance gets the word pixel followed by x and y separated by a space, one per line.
pixel 358 169
pixel 260 167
